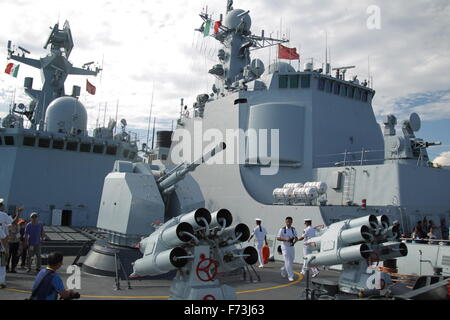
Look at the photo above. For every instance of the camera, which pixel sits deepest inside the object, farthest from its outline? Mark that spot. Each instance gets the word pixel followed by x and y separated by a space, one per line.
pixel 73 296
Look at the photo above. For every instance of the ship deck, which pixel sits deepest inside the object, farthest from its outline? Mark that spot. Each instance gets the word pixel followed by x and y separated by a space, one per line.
pixel 271 287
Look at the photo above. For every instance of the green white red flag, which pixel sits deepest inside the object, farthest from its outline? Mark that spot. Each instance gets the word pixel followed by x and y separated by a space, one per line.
pixel 12 69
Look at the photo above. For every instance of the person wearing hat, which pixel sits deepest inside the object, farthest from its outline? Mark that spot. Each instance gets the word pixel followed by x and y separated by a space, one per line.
pixel 288 237
pixel 308 233
pixel 34 235
pixel 260 234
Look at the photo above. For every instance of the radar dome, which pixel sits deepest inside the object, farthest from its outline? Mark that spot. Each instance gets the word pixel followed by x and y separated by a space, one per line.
pixel 282 67
pixel 66 115
pixel 233 20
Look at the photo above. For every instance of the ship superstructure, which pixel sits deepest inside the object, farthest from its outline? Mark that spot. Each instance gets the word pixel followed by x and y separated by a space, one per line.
pixel 325 130
pixel 53 166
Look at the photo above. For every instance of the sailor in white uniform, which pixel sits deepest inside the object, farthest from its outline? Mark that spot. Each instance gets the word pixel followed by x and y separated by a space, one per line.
pixel 308 234
pixel 288 237
pixel 260 234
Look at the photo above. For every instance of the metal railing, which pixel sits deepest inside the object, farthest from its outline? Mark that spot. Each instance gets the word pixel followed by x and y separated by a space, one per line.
pixel 361 158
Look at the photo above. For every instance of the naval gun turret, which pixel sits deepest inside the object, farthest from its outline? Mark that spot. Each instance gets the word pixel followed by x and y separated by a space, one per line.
pixel 135 201
pixel 357 245
pixel 199 245
pixel 408 147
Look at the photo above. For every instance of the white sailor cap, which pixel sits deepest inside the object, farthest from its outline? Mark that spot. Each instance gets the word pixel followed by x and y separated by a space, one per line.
pixel 1 201
pixel 258 219
pixel 307 220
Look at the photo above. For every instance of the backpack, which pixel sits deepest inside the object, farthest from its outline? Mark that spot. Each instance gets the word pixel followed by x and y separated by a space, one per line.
pixel 44 287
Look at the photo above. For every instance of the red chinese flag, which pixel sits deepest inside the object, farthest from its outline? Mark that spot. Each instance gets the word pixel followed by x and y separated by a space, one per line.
pixel 90 87
pixel 217 25
pixel 287 53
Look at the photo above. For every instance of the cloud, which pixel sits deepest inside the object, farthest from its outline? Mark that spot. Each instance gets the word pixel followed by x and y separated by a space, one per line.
pixel 142 44
pixel 443 159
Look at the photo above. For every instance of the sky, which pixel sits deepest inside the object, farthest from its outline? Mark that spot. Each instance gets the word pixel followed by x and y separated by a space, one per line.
pixel 149 48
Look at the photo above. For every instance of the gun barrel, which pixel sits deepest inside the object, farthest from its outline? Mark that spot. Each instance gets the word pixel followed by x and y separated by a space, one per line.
pixel 177 175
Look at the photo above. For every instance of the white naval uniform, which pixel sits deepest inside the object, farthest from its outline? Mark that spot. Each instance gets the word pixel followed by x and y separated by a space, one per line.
pixel 308 234
pixel 5 222
pixel 288 250
pixel 260 234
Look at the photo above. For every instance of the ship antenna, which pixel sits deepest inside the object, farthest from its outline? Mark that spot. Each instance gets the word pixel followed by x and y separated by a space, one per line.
pixel 153 136
pixel 150 116
pixel 117 114
pixel 326 53
pixel 104 116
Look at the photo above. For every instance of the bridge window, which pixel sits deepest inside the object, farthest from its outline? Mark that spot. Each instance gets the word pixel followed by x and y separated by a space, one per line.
pixel 351 92
pixel 358 94
pixel 1 141
pixel 365 96
pixel 111 150
pixel 337 88
pixel 44 143
pixel 293 82
pixel 283 82
pixel 72 146
pixel 344 90
pixel 9 141
pixel 321 84
pixel 29 141
pixel 98 148
pixel 306 81
pixel 328 85
pixel 58 144
pixel 85 147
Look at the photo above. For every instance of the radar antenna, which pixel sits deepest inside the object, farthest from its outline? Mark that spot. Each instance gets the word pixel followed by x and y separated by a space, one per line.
pixel 344 71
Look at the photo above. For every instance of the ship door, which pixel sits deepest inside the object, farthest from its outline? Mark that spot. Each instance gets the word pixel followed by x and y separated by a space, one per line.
pixel 66 218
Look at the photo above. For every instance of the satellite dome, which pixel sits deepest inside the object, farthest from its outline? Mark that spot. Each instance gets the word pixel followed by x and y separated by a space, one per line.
pixel 232 20
pixel 66 115
pixel 282 67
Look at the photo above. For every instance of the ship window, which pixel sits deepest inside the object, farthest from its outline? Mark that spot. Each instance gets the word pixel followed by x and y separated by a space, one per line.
pixel 337 88
pixel 126 152
pixel 132 155
pixel 111 150
pixel 85 147
pixel 328 85
pixel 163 157
pixel 358 94
pixel 321 84
pixel 306 81
pixel 351 92
pixel 1 141
pixel 72 146
pixel 293 82
pixel 283 82
pixel 29 141
pixel 44 143
pixel 365 96
pixel 58 144
pixel 98 148
pixel 344 90
pixel 9 141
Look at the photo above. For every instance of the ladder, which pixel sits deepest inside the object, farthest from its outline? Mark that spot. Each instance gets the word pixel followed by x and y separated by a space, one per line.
pixel 348 193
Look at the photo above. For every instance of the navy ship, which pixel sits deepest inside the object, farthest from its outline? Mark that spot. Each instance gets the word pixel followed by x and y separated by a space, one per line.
pixel 53 166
